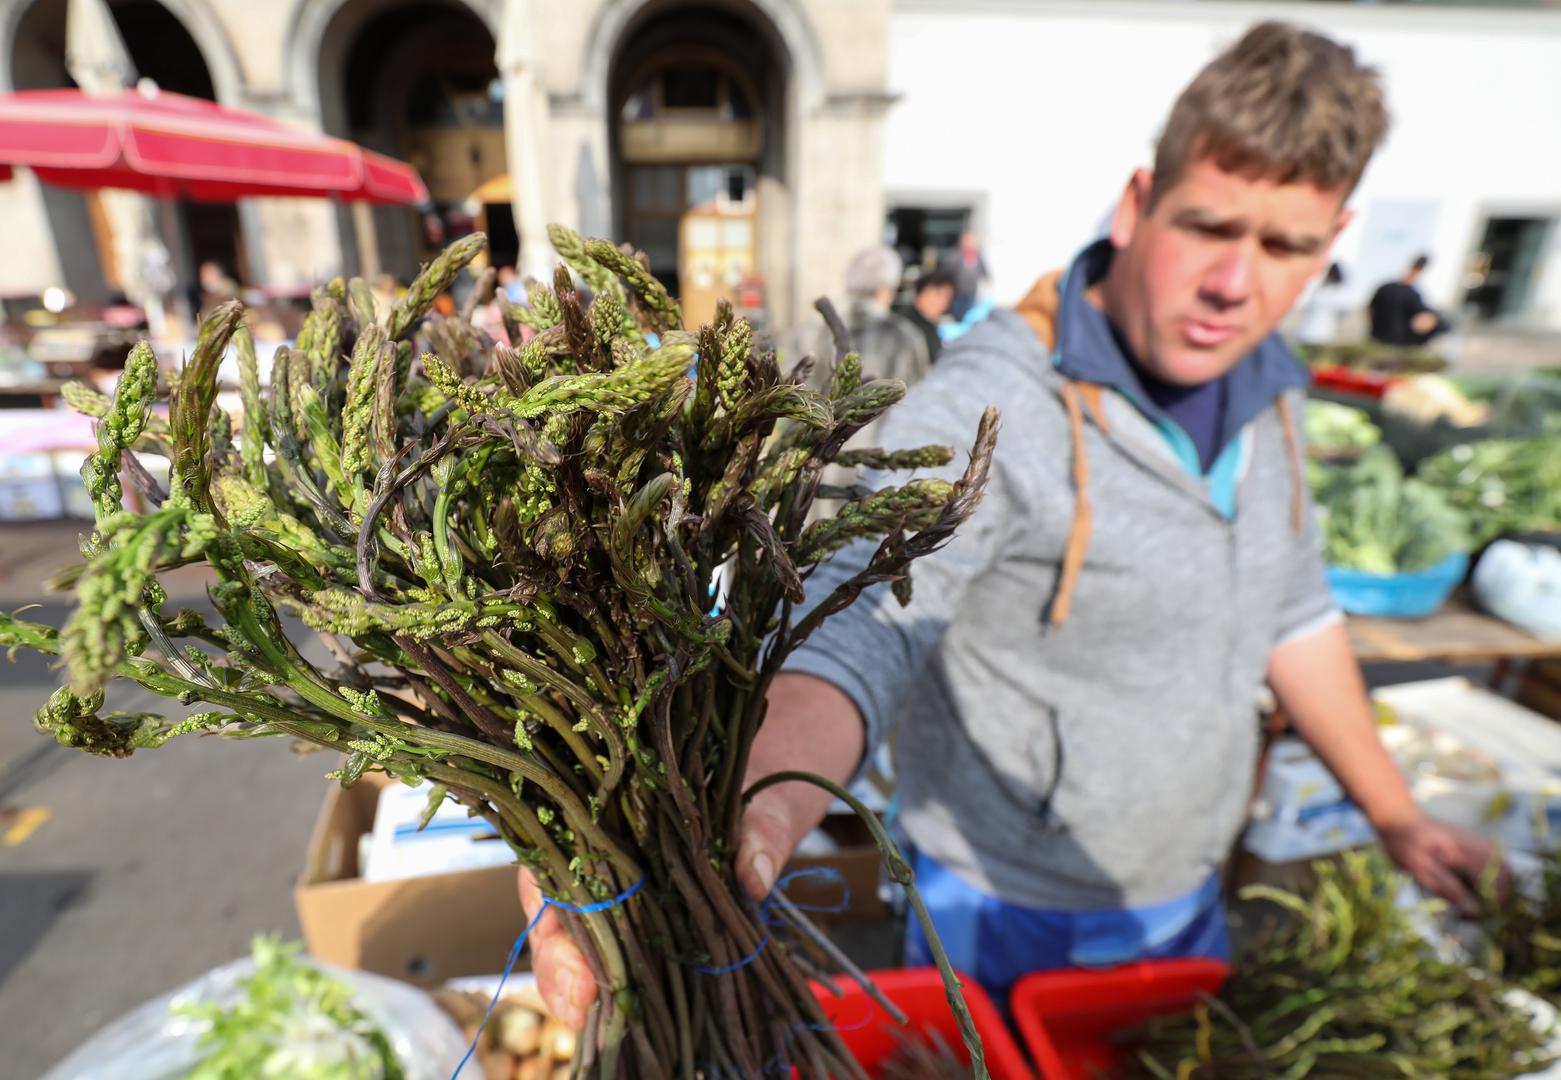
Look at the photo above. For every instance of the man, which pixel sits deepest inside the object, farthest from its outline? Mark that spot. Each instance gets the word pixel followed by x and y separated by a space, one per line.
pixel 1074 685
pixel 1399 315
pixel 889 345
pixel 968 269
pixel 934 295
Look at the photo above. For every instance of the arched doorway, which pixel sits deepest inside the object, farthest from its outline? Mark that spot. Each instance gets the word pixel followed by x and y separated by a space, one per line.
pixel 163 50
pixel 418 81
pixel 697 100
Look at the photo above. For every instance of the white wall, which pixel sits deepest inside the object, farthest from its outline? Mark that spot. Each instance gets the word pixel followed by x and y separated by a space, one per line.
pixel 1045 107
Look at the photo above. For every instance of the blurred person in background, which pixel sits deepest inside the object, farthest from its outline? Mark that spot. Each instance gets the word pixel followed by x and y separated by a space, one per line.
pixel 1400 315
pixel 968 269
pixel 213 286
pixel 890 346
pixel 387 290
pixel 510 285
pixel 934 295
pixel 1072 695
pixel 1324 311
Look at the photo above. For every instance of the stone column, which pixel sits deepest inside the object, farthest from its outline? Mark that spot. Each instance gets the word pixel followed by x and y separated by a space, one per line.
pixel 839 206
pixel 525 136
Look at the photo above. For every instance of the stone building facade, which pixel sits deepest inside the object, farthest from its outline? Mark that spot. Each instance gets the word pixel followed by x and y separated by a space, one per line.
pixel 738 141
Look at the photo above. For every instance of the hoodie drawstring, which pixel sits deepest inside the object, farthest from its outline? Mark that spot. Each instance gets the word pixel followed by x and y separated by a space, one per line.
pixel 1083 513
pixel 1297 469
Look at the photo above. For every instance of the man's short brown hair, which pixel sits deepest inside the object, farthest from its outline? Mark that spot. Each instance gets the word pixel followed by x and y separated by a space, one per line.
pixel 1283 103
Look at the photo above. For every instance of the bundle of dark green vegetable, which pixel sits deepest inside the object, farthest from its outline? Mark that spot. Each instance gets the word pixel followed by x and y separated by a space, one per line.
pixel 1377 520
pixel 1343 985
pixel 514 553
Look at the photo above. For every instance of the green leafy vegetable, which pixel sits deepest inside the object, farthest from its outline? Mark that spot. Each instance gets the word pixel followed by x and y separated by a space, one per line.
pixel 1502 485
pixel 1334 430
pixel 1376 520
pixel 294 1023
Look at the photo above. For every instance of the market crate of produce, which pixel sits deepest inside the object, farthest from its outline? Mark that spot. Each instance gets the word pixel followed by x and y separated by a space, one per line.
pixel 1412 594
pixel 1070 1020
pixel 1395 546
pixel 1368 383
pixel 888 1049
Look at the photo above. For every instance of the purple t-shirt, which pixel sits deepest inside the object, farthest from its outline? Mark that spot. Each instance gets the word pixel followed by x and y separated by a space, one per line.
pixel 1200 410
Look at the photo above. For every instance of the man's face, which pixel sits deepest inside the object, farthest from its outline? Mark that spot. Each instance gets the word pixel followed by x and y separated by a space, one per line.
pixel 1205 275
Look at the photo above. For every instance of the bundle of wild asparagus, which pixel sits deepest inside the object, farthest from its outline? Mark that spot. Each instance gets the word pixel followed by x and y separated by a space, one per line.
pixel 557 579
pixel 1343 985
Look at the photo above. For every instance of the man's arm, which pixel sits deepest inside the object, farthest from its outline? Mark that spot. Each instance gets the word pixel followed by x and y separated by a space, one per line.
pixel 1319 686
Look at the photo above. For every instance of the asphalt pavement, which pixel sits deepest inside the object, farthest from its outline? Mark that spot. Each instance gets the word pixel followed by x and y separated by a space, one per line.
pixel 122 879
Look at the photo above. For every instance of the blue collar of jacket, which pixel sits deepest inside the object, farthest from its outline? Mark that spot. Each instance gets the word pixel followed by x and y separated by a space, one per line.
pixel 1089 351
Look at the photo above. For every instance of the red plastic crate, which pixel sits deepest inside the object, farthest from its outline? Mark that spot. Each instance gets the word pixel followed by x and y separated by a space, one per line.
pixel 919 991
pixel 1370 384
pixel 1067 1018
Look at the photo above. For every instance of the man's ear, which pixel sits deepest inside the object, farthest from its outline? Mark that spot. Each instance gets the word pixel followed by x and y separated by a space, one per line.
pixel 1132 207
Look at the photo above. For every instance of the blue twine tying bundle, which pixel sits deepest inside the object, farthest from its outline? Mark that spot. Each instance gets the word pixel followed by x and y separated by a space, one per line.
pixel 768 919
pixel 520 943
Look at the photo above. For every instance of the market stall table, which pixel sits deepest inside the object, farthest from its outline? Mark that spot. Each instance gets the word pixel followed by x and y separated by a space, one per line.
pixel 1457 633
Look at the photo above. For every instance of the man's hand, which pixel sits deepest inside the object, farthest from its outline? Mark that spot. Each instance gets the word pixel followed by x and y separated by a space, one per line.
pixel 1319 685
pixel 769 834
pixel 563 976
pixel 812 726
pixel 1444 859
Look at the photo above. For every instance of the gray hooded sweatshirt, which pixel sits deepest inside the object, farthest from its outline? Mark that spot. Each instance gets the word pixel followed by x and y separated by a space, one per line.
pixel 1105 761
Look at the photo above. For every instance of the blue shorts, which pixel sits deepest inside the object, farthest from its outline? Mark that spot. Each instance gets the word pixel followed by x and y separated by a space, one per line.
pixel 996 942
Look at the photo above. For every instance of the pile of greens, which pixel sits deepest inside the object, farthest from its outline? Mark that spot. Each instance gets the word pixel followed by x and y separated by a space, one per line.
pixel 294 1023
pixel 1341 984
pixel 1377 520
pixel 1338 431
pixel 557 578
pixel 1502 485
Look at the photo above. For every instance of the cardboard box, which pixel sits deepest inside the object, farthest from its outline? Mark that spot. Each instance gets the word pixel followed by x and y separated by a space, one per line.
pixel 424 929
pixel 858 862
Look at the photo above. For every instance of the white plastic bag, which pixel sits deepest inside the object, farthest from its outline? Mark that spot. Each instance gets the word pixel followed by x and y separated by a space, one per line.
pixel 1521 583
pixel 153 1042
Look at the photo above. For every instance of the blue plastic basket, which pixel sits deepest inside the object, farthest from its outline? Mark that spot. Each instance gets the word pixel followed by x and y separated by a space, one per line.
pixel 1411 595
